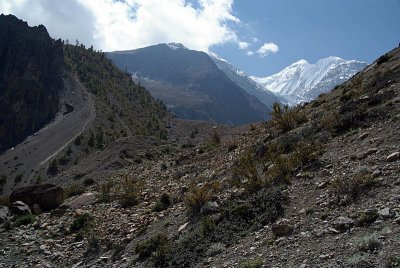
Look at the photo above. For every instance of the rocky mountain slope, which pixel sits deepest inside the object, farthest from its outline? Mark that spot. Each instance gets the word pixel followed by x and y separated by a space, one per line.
pixel 30 79
pixel 190 84
pixel 245 82
pixel 303 81
pixel 317 186
pixel 90 103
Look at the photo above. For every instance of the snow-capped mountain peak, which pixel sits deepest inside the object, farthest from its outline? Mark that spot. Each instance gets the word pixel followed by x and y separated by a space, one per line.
pixel 303 81
pixel 244 81
pixel 175 46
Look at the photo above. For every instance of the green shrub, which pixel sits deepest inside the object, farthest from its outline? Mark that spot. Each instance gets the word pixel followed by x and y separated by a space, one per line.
pixel 131 191
pixel 24 220
pixel 253 263
pixel 305 153
pixel 280 172
pixel 53 168
pixel 162 203
pixel 104 190
pixel 285 118
pixel 367 217
pixel 148 247
pixel 369 243
pixel 383 59
pixel 247 173
pixel 82 221
pixel 198 196
pixel 352 187
pixel 215 138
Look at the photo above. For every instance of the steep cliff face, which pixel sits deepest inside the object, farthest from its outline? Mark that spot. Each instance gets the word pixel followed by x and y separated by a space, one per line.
pixel 30 79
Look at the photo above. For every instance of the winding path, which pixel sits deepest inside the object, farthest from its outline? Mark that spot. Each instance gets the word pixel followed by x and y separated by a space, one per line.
pixel 77 113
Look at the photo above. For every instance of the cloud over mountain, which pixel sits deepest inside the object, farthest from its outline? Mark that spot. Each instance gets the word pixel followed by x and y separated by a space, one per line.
pixel 117 25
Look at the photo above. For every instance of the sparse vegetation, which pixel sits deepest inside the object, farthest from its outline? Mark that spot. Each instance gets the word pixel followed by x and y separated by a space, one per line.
pixel 104 190
pixel 73 190
pixel 53 168
pixel 252 263
pixel 248 175
pixel 149 247
pixel 369 243
pixel 350 188
pixel 5 201
pixel 24 220
pixel 285 118
pixel 382 59
pixel 162 203
pixel 198 196
pixel 131 191
pixel 82 221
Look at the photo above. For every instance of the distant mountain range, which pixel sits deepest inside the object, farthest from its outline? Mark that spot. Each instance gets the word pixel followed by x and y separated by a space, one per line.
pixel 191 85
pixel 245 82
pixel 303 81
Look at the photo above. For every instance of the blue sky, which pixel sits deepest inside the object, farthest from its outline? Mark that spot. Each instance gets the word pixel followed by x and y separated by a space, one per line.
pixel 261 37
pixel 313 29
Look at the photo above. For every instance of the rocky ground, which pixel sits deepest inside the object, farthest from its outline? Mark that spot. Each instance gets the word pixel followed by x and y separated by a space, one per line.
pixel 342 209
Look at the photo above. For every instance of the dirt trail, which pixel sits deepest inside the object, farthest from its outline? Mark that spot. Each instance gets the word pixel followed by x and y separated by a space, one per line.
pixel 76 113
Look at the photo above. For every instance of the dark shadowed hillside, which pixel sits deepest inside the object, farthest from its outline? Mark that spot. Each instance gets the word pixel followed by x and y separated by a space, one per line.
pixel 190 84
pixel 30 79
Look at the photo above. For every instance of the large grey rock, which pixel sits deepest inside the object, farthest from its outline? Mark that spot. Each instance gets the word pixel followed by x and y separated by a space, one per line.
pixel 3 214
pixel 20 208
pixel 81 201
pixel 47 196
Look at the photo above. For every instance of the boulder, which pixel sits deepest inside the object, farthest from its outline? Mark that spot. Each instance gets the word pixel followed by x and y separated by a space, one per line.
pixel 20 208
pixel 81 201
pixel 47 196
pixel 3 214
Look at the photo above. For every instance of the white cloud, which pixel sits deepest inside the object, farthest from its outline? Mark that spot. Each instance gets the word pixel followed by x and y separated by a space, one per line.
pixel 267 49
pixel 128 24
pixel 249 53
pixel 244 45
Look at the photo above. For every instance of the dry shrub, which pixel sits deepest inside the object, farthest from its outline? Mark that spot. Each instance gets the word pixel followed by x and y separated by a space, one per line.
pixel 198 196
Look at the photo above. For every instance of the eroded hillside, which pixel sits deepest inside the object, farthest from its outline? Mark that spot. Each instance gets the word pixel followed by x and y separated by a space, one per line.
pixel 317 186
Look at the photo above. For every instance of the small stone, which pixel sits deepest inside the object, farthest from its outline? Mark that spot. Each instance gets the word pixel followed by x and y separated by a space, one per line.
pixel 343 223
pixel 393 157
pixel 282 228
pixel 363 136
pixel 182 227
pixel 385 213
pixel 361 155
pixel 376 173
pixel 322 185
pixel 372 151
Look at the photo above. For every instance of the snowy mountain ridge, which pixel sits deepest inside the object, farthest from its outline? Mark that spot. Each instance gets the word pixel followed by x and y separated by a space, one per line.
pixel 244 81
pixel 303 81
